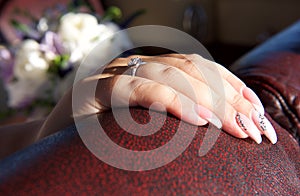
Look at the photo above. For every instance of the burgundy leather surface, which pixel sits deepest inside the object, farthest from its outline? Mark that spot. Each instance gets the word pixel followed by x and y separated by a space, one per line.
pixel 276 80
pixel 62 165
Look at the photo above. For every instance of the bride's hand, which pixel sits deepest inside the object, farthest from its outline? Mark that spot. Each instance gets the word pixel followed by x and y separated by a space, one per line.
pixel 190 87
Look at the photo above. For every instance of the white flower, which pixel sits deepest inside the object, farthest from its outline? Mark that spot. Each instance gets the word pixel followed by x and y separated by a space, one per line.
pixel 31 72
pixel 81 32
pixel 75 27
pixel 30 62
pixel 78 31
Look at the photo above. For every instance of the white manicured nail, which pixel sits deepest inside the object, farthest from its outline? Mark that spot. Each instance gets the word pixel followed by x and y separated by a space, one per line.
pixel 265 126
pixel 251 96
pixel 248 127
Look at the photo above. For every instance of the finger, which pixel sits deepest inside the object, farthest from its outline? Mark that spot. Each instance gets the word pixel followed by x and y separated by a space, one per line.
pixel 203 95
pixel 198 71
pixel 195 66
pixel 194 89
pixel 188 62
pixel 136 91
pixel 201 69
pixel 188 67
pixel 181 62
pixel 232 79
pixel 258 118
pixel 199 60
pixel 265 126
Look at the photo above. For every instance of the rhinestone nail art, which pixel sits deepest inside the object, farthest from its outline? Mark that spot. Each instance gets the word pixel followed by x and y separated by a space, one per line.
pixel 262 122
pixel 240 121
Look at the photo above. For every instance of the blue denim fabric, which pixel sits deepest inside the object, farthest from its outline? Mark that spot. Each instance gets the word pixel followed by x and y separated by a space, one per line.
pixel 287 40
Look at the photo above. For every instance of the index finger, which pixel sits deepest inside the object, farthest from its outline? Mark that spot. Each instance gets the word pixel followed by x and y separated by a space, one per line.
pixel 194 64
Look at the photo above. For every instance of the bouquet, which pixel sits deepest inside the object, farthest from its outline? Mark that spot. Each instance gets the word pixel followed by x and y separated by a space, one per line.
pixel 42 66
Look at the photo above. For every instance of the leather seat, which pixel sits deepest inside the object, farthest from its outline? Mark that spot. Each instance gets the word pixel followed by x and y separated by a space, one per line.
pixel 272 71
pixel 62 164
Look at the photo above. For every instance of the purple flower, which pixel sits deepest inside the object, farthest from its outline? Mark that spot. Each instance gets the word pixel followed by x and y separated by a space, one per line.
pixel 51 43
pixel 6 64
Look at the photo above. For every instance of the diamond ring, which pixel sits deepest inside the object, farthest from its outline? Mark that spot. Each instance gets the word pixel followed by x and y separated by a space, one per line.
pixel 134 63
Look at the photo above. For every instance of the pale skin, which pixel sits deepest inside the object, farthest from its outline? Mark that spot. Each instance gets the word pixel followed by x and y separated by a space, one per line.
pixel 190 102
pixel 179 84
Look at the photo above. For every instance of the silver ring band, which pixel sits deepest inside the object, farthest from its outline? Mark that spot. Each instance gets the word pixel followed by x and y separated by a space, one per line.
pixel 134 63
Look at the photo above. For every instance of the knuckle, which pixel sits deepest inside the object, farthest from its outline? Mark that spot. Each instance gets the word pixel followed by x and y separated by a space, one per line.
pixel 169 72
pixel 137 86
pixel 134 83
pixel 166 95
pixel 139 90
pixel 194 56
pixel 236 99
pixel 190 65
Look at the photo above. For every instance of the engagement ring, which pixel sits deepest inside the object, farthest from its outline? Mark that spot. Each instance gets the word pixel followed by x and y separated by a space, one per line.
pixel 134 63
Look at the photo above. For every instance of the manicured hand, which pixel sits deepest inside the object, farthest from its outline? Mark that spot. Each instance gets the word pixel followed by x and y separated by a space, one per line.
pixel 190 87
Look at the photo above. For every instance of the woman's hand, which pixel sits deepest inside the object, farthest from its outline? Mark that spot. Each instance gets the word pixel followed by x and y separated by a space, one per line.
pixel 190 87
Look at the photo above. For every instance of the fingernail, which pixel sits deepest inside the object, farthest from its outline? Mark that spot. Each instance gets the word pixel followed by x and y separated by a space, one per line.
pixel 208 115
pixel 251 96
pixel 248 127
pixel 271 132
pixel 259 120
pixel 265 126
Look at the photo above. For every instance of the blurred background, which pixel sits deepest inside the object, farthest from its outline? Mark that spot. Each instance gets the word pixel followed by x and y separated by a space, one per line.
pixel 227 28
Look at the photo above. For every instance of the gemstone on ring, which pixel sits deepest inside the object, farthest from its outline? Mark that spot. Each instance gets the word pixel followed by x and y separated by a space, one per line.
pixel 134 63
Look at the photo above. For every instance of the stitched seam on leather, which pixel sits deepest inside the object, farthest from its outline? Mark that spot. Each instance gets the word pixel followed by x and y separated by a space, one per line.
pixel 287 108
pixel 293 119
pixel 293 131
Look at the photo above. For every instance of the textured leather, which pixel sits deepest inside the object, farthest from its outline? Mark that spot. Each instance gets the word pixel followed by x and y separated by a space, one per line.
pixel 272 71
pixel 276 80
pixel 62 165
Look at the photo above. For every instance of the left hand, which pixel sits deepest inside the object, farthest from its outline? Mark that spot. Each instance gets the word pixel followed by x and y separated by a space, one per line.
pixel 190 87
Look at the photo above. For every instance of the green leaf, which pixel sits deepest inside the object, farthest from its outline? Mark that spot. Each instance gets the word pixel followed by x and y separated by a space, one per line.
pixel 19 26
pixel 112 13
pixel 58 63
